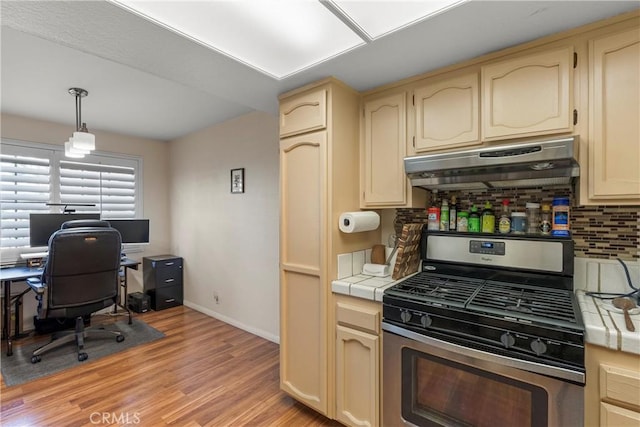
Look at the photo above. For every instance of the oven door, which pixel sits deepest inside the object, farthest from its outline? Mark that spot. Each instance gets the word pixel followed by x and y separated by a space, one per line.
pixel 429 382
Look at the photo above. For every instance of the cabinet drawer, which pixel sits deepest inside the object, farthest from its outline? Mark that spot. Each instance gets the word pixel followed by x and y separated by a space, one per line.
pixel 367 319
pixel 165 297
pixel 303 113
pixel 168 276
pixel 620 385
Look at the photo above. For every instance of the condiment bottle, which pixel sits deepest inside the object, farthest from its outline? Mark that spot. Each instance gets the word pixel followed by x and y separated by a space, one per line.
pixel 474 220
pixel 453 214
pixel 488 219
pixel 504 223
pixel 560 217
pixel 463 221
pixel 545 220
pixel 444 216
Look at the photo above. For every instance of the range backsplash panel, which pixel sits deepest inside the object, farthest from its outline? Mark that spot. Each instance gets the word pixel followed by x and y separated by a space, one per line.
pixel 598 231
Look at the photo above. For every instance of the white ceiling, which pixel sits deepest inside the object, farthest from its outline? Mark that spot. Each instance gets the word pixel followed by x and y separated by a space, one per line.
pixel 145 80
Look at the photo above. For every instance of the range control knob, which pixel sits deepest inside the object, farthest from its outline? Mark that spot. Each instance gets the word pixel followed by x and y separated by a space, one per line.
pixel 405 316
pixel 426 320
pixel 538 347
pixel 507 340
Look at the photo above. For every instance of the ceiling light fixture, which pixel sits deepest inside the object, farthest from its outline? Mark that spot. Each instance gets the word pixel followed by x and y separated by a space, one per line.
pixel 82 142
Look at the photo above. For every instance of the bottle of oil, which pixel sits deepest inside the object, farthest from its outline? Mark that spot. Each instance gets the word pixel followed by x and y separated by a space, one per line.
pixel 488 219
pixel 504 224
pixel 453 214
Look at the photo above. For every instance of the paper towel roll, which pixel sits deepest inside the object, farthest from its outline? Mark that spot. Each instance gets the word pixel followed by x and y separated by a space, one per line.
pixel 354 222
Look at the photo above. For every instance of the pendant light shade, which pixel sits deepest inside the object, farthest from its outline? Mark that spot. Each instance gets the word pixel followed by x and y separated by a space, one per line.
pixel 82 142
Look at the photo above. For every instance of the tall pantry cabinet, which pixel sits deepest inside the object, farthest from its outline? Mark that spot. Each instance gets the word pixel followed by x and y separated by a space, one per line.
pixel 318 181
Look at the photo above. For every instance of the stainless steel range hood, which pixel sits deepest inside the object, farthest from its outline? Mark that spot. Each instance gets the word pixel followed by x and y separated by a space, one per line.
pixel 527 164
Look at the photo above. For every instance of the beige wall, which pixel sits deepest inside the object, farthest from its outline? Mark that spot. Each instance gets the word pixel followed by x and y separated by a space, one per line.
pixel 155 179
pixel 229 241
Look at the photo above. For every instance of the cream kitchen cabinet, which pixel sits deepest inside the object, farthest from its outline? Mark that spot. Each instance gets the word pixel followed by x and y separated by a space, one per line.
pixel 527 96
pixel 358 347
pixel 612 392
pixel 317 183
pixel 303 113
pixel 447 113
pixel 614 113
pixel 384 183
pixel 303 300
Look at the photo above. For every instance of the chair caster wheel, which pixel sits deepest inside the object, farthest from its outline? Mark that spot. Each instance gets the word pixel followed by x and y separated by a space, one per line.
pixel 82 357
pixel 35 359
pixel 120 338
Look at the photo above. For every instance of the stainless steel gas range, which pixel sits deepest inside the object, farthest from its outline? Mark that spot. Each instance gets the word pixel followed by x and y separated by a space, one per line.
pixel 488 333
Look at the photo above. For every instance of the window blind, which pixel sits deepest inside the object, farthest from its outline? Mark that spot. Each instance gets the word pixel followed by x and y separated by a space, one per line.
pixel 111 188
pixel 25 188
pixel 35 174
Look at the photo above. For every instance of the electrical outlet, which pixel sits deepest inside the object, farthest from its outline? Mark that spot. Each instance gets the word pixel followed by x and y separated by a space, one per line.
pixel 216 298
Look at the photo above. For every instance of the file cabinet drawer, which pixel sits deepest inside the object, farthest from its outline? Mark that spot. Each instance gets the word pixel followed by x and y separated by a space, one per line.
pixel 166 297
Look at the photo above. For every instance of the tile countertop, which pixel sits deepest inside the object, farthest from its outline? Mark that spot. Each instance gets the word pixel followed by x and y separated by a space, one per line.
pixel 604 324
pixel 352 282
pixel 363 286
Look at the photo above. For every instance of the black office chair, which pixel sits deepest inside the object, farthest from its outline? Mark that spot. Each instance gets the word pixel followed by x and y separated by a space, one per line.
pixel 79 278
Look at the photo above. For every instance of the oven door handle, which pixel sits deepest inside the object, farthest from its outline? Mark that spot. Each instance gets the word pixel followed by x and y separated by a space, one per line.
pixel 538 368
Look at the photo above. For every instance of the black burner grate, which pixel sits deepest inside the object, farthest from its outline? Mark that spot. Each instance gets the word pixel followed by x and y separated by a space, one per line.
pixel 533 304
pixel 436 288
pixel 553 306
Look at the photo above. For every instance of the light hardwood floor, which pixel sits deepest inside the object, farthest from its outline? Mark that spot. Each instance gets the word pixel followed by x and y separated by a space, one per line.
pixel 203 373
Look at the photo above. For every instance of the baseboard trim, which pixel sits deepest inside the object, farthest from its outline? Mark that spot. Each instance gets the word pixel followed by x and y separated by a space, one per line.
pixel 233 322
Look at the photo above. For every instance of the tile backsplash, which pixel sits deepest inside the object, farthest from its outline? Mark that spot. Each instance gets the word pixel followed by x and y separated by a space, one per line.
pixel 598 231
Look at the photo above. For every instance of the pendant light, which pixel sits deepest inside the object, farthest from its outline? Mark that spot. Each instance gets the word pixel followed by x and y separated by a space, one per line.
pixel 82 142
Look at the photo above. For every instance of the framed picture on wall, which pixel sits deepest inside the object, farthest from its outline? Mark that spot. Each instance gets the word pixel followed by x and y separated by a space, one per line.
pixel 237 180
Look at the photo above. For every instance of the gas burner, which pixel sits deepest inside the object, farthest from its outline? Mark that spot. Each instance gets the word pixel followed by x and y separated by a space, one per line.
pixel 518 307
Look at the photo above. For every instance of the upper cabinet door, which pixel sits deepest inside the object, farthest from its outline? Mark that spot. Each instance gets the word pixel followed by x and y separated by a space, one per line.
pixel 447 113
pixel 303 113
pixel 614 111
pixel 383 177
pixel 528 96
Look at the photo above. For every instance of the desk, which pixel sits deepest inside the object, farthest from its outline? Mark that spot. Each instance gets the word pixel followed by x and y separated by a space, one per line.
pixel 21 274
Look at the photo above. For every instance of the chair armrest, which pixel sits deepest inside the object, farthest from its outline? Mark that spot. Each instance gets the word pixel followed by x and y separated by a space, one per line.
pixel 36 285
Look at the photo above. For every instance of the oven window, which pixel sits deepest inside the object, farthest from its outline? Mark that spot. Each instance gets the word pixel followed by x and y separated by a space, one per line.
pixel 439 392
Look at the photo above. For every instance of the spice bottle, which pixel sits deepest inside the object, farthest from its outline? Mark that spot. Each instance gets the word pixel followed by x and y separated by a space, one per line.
pixel 433 218
pixel 545 220
pixel 518 222
pixel 488 219
pixel 560 217
pixel 444 216
pixel 474 220
pixel 504 223
pixel 533 218
pixel 453 214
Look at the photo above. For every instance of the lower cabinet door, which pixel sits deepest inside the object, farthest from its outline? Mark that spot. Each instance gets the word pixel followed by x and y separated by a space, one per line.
pixel 165 297
pixel 357 377
pixel 614 416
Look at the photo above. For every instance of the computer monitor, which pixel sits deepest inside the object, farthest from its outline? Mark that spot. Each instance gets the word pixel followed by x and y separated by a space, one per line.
pixel 132 230
pixel 43 225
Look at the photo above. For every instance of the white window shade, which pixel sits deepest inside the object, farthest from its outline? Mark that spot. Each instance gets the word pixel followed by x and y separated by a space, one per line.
pixel 112 189
pixel 26 188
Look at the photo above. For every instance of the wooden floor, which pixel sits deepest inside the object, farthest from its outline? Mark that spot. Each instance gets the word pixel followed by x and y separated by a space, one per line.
pixel 203 373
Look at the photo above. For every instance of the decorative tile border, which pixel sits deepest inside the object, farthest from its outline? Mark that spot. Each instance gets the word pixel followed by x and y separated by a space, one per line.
pixel 598 231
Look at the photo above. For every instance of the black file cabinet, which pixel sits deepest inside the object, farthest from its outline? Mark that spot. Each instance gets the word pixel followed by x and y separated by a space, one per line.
pixel 163 280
